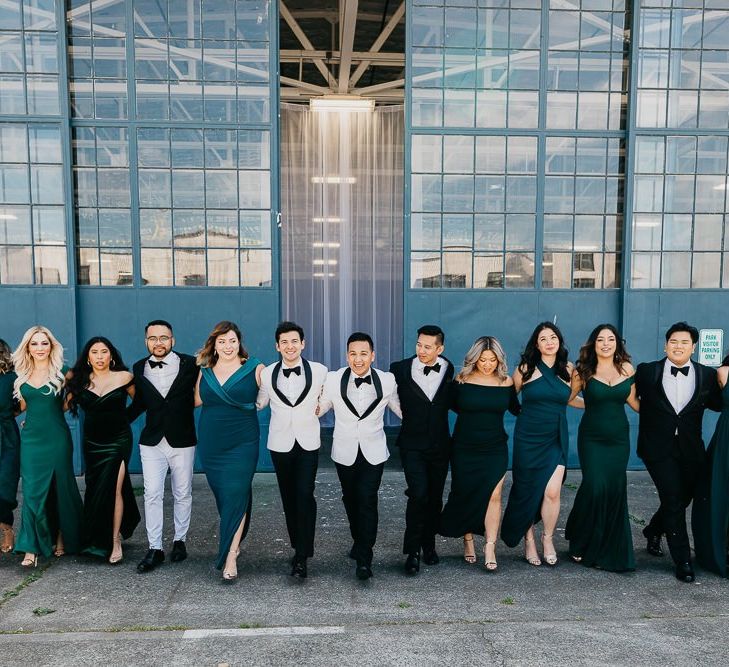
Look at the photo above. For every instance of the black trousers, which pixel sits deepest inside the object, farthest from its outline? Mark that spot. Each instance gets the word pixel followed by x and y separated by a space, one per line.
pixel 425 474
pixel 675 478
pixel 296 475
pixel 360 485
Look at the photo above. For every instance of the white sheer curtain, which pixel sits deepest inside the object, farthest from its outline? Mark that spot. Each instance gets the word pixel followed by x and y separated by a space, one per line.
pixel 341 228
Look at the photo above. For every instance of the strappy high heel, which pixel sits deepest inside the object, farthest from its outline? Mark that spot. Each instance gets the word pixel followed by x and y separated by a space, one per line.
pixel 534 560
pixel 116 556
pixel 230 576
pixel 549 558
pixel 468 557
pixel 490 565
pixel 29 561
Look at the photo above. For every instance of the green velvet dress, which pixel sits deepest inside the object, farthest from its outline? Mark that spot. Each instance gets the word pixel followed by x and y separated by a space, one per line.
pixel 107 443
pixel 9 450
pixel 227 445
pixel 710 513
pixel 51 499
pixel 598 527
pixel 479 456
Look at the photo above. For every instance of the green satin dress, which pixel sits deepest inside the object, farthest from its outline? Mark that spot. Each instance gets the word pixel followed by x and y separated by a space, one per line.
pixel 598 527
pixel 227 445
pixel 51 499
pixel 107 443
pixel 9 450
pixel 710 513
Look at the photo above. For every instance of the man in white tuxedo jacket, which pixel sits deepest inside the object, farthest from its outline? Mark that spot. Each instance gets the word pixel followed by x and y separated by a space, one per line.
pixel 292 387
pixel 359 395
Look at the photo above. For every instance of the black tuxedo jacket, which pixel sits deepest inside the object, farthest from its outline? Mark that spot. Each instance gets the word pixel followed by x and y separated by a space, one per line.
pixel 424 422
pixel 659 422
pixel 170 416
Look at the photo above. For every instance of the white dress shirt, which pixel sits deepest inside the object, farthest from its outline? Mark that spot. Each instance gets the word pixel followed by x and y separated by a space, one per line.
pixel 431 382
pixel 163 377
pixel 294 384
pixel 679 388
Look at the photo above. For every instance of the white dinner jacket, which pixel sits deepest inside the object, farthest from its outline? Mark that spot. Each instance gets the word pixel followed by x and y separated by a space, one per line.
pixel 353 432
pixel 295 422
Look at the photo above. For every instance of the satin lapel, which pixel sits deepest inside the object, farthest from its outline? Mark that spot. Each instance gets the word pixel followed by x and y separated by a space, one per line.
pixel 447 375
pixel 184 361
pixel 378 390
pixel 274 384
pixel 307 377
pixel 343 391
pixel 414 385
pixel 658 379
pixel 145 379
pixel 697 386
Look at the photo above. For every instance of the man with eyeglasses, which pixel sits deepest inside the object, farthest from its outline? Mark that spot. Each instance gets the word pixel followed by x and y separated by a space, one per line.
pixel 674 392
pixel 165 390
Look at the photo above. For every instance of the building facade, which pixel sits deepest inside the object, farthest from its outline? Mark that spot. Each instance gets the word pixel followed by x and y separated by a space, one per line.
pixel 563 161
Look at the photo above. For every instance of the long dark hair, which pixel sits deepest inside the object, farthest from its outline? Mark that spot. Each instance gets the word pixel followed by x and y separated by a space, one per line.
pixel 531 355
pixel 6 357
pixel 587 363
pixel 81 372
pixel 725 360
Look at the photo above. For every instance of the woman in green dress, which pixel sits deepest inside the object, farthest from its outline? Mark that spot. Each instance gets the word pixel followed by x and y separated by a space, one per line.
pixel 228 434
pixel 540 443
pixel 9 449
pixel 598 528
pixel 481 394
pixel 51 511
pixel 100 384
pixel 710 512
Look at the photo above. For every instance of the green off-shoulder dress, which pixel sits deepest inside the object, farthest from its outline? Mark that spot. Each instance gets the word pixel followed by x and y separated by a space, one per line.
pixel 598 527
pixel 51 500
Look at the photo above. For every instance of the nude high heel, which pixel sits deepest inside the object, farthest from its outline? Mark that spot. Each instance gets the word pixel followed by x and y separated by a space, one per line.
pixel 116 556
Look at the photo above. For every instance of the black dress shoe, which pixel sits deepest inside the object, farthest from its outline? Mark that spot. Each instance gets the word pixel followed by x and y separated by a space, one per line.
pixel 684 572
pixel 363 571
pixel 430 557
pixel 298 568
pixel 653 546
pixel 152 559
pixel 412 564
pixel 179 551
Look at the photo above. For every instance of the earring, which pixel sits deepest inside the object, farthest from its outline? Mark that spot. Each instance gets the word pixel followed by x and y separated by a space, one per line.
pixel 88 363
pixel 113 363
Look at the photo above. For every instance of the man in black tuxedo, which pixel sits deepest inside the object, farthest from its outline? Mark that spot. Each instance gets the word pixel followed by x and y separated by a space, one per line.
pixel 165 389
pixel 423 387
pixel 674 392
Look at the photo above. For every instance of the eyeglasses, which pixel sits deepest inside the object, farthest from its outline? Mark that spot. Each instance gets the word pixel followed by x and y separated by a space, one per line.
pixel 159 339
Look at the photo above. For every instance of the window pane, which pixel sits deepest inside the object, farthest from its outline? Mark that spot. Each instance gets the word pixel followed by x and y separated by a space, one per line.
pixel 255 268
pixel 156 266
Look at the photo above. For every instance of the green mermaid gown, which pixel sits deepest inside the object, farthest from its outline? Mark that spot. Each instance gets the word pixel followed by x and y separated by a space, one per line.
pixel 51 499
pixel 598 527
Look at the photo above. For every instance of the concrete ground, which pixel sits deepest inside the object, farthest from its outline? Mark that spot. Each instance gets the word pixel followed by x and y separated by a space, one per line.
pixel 74 611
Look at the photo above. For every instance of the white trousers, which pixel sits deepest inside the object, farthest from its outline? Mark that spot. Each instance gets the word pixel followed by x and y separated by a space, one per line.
pixel 155 462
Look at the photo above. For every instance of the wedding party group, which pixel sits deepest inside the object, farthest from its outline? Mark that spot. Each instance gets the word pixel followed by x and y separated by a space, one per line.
pixel 231 386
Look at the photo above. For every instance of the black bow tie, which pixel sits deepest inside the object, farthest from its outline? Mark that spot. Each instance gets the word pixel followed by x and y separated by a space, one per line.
pixel 295 371
pixel 675 370
pixel 359 381
pixel 157 364
pixel 435 368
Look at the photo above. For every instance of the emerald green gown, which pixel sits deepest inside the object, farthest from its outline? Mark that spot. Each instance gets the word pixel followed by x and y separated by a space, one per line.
pixel 710 513
pixel 9 450
pixel 479 456
pixel 51 499
pixel 598 527
pixel 107 442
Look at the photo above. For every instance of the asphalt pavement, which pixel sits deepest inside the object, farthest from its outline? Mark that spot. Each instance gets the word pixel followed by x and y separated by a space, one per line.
pixel 76 611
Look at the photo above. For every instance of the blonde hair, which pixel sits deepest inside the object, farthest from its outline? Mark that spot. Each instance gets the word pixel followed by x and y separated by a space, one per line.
pixel 481 345
pixel 25 364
